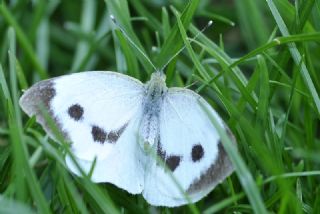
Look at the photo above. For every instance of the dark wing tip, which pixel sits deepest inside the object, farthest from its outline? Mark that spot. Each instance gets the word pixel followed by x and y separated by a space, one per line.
pixel 42 92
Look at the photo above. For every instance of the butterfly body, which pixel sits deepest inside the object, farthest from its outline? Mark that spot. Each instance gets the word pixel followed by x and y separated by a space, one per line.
pixel 132 129
pixel 151 105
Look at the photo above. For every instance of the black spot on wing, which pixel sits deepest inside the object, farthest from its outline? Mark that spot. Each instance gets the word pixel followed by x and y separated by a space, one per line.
pixel 197 153
pixel 75 112
pixel 113 136
pixel 173 162
pixel 215 174
pixel 98 134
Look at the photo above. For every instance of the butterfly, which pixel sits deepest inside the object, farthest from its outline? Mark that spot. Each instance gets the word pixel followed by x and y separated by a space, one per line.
pixel 143 138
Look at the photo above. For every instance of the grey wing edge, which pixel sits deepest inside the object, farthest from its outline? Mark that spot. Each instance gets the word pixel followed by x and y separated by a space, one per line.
pixel 40 95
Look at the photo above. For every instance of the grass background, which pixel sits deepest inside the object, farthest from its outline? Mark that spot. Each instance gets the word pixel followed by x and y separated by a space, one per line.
pixel 258 66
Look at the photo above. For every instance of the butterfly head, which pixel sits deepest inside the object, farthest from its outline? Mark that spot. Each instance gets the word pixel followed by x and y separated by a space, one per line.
pixel 158 75
pixel 155 88
pixel 157 81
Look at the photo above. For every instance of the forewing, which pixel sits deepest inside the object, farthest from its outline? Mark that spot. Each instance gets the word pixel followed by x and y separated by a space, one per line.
pixel 94 111
pixel 190 146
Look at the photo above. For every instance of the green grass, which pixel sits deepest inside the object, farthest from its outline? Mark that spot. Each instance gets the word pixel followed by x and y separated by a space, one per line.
pixel 258 66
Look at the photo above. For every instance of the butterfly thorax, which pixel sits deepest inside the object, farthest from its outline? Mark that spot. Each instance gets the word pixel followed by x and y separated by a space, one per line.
pixel 155 91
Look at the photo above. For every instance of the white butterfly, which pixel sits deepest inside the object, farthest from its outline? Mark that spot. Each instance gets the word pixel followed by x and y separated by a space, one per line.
pixel 125 124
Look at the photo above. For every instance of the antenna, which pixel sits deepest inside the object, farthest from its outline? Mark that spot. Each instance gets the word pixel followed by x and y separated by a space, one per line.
pixel 184 46
pixel 130 40
pixel 145 56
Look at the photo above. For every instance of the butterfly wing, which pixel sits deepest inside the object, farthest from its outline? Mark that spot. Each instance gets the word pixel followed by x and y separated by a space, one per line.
pixel 190 146
pixel 124 164
pixel 96 111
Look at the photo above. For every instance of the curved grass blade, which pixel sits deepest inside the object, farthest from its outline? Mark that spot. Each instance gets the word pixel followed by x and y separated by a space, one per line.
pixel 296 56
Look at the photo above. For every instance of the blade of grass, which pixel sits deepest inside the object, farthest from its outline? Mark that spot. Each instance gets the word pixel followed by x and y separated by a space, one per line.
pixel 235 73
pixel 87 26
pixel 14 122
pixel 305 12
pixel 119 9
pixel 151 20
pixel 242 171
pixel 171 43
pixel 276 42
pixel 217 17
pixel 23 39
pixel 251 30
pixel 67 190
pixel 296 56
pixel 287 9
pixel 165 23
pixel 42 42
pixel 4 86
pixel 192 54
pixel 224 203
pixel 13 207
pixel 263 102
pixel 23 171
